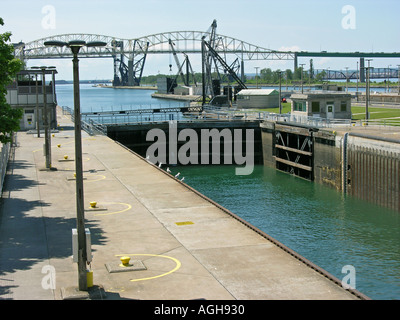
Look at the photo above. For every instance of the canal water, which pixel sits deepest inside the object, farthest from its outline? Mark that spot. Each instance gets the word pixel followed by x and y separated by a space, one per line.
pixel 329 229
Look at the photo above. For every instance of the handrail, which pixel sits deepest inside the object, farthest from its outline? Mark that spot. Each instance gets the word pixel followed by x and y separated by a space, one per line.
pixel 4 155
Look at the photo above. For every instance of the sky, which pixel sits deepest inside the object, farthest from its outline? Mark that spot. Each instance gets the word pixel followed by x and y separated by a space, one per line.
pixel 302 25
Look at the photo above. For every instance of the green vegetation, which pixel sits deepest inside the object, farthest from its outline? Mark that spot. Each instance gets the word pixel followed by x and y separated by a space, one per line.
pixel 379 114
pixel 9 66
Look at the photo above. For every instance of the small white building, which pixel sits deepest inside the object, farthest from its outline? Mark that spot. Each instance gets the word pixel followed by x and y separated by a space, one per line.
pixel 26 92
pixel 328 105
pixel 258 98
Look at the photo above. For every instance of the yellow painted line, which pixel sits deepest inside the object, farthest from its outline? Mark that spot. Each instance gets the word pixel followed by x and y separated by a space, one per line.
pixel 184 223
pixel 98 179
pixel 177 266
pixel 128 207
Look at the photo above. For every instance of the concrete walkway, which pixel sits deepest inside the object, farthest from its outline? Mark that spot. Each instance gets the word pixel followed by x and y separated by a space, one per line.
pixel 190 248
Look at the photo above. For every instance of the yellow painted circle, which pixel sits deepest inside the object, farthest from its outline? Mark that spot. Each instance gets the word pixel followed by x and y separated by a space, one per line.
pixel 128 206
pixel 177 266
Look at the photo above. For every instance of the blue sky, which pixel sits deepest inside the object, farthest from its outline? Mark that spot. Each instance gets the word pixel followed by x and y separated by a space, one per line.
pixel 308 25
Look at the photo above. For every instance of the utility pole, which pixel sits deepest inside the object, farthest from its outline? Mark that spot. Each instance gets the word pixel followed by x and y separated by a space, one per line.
pixel 302 64
pixel 367 92
pixel 256 76
pixel 280 92
pixel 398 81
pixel 37 108
pixel 47 138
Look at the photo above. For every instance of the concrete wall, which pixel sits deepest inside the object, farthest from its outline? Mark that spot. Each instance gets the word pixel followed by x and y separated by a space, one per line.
pixel 373 171
pixel 365 167
pixel 327 159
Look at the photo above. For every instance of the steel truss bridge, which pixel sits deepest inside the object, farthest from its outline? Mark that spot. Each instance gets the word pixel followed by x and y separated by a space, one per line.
pixel 374 73
pixel 135 51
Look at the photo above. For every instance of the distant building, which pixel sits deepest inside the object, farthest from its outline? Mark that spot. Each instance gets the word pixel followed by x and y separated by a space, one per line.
pixel 258 98
pixel 166 85
pixel 22 94
pixel 329 105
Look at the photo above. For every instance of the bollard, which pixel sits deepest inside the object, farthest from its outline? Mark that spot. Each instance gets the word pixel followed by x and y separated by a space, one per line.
pixel 125 261
pixel 89 278
pixel 93 204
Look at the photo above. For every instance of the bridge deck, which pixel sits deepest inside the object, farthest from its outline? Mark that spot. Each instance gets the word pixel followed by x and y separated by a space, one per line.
pixel 191 247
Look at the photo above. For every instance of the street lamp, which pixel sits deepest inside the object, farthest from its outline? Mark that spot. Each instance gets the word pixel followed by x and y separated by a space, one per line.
pixel 367 91
pixel 302 64
pixel 280 91
pixel 75 46
pixel 398 81
pixel 256 76
pixel 47 142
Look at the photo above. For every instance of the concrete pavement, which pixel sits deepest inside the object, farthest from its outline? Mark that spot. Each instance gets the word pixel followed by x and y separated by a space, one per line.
pixel 190 248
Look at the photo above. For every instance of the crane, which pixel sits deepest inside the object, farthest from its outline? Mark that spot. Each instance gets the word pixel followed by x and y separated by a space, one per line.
pixel 186 62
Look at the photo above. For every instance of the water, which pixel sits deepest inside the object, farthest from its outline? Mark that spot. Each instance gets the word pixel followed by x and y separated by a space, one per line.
pixel 319 223
pixel 98 99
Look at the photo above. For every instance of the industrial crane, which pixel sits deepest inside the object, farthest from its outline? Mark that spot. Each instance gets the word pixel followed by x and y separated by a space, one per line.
pixel 210 57
pixel 186 62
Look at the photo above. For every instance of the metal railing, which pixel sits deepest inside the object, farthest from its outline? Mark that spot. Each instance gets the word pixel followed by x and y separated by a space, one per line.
pixel 97 124
pixel 4 155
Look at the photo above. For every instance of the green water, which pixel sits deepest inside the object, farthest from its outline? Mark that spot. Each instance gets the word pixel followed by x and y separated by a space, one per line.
pixel 317 222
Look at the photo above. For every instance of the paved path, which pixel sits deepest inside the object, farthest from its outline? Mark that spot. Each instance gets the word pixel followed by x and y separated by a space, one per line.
pixel 191 248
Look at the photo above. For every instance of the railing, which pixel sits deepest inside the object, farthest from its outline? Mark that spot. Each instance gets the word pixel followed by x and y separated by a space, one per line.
pixel 97 124
pixel 4 154
pixel 89 125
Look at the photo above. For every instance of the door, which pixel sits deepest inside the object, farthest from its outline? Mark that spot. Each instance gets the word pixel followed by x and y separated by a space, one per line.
pixel 330 111
pixel 29 120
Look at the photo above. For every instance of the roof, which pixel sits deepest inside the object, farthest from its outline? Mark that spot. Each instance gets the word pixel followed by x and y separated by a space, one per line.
pixel 320 94
pixel 258 92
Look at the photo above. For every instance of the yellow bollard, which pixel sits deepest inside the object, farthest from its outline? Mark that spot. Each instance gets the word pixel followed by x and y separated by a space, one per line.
pixel 93 204
pixel 125 261
pixel 59 145
pixel 89 278
pixel 65 157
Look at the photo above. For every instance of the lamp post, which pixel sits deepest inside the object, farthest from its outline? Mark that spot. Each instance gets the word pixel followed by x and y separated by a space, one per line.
pixel 302 64
pixel 47 141
pixel 256 76
pixel 75 46
pixel 37 108
pixel 398 81
pixel 280 92
pixel 367 92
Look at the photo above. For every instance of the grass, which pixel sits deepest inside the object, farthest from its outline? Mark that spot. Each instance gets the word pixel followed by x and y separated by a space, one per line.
pixel 375 113
pixel 386 115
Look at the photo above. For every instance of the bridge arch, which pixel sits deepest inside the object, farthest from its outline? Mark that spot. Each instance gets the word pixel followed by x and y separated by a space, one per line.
pixel 186 41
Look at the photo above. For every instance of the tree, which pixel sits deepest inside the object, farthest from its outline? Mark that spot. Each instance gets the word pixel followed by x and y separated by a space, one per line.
pixel 266 74
pixel 9 66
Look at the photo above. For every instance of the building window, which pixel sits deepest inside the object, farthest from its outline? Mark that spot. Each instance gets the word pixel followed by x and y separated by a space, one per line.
pixel 300 106
pixel 343 106
pixel 315 107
